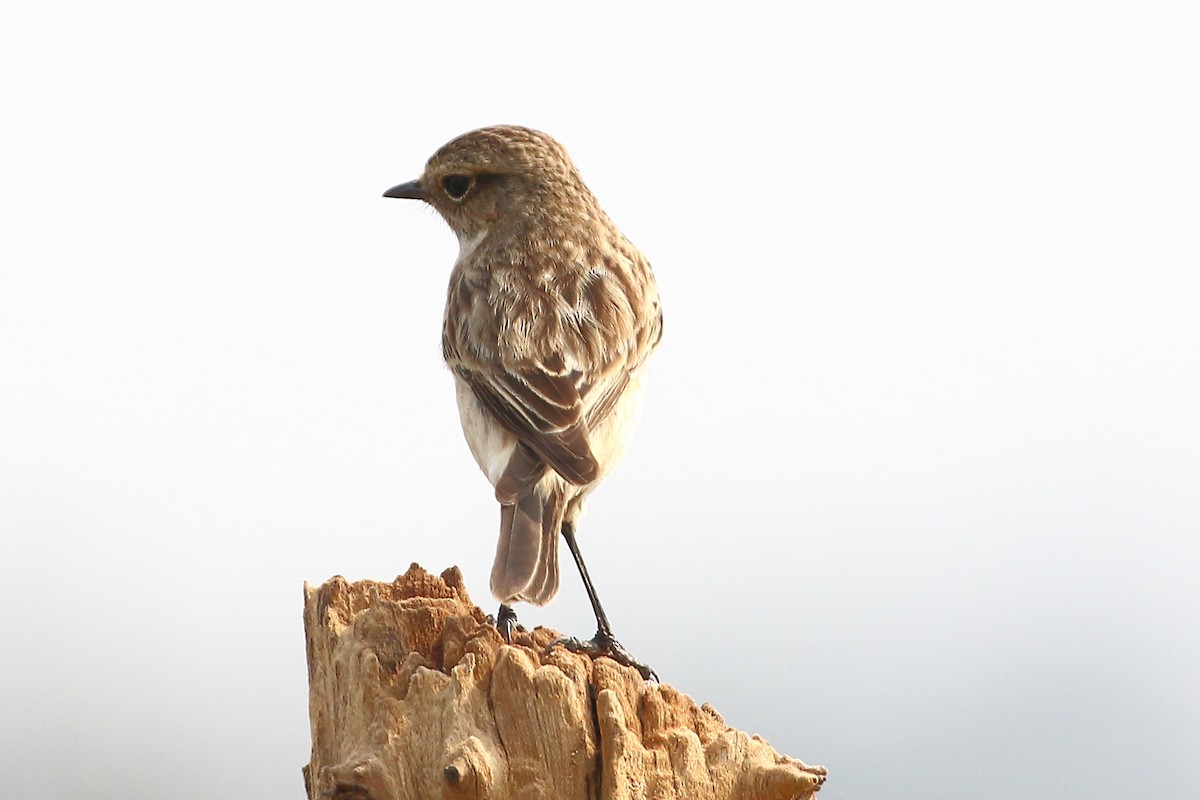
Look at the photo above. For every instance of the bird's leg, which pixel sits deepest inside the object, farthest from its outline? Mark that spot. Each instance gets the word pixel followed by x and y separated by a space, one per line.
pixel 603 643
pixel 505 621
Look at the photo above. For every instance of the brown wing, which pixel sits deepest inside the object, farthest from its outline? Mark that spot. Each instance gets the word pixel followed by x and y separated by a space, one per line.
pixel 554 397
pixel 545 412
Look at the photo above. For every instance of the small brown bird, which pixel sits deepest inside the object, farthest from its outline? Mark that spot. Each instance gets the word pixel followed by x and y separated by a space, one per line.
pixel 550 318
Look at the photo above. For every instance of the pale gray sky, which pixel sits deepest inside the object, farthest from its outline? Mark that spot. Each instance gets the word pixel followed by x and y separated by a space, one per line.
pixel 917 492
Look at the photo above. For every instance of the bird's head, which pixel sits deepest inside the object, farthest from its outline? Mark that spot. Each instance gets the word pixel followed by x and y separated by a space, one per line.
pixel 493 175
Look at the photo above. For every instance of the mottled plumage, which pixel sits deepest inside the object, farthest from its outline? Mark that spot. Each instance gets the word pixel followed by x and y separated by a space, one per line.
pixel 551 314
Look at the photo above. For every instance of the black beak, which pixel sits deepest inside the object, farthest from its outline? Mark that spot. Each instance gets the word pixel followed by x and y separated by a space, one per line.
pixel 411 190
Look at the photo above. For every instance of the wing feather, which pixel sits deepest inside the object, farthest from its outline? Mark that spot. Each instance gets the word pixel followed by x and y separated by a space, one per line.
pixel 556 433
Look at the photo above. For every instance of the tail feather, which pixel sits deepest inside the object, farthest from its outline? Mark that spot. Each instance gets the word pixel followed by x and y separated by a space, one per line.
pixel 544 585
pixel 526 566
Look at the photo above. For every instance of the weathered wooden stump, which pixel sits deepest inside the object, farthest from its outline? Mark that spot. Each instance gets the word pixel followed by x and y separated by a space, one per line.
pixel 412 696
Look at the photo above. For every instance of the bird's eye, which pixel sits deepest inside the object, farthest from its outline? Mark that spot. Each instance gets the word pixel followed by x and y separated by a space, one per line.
pixel 457 186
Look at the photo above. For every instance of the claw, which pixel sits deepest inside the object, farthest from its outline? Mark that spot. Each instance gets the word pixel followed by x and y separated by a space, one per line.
pixel 505 622
pixel 604 644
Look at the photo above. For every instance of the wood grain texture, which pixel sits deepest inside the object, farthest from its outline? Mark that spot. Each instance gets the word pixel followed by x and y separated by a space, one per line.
pixel 412 696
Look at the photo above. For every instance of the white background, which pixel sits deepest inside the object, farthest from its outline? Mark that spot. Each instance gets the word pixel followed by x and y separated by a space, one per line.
pixel 918 487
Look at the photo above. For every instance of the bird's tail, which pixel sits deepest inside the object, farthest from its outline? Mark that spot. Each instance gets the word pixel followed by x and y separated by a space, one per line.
pixel 526 566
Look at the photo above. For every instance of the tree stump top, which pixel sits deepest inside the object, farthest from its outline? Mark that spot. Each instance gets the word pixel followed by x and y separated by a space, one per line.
pixel 412 694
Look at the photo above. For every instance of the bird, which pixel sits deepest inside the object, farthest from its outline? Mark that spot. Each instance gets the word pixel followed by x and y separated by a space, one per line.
pixel 551 317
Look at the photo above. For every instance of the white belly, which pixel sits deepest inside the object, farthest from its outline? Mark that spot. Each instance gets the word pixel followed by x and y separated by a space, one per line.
pixel 490 443
pixel 611 438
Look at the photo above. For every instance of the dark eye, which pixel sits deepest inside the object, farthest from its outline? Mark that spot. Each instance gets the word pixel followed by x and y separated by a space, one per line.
pixel 457 186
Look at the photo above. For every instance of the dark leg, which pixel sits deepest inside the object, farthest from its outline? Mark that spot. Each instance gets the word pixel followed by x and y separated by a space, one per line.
pixel 602 626
pixel 603 643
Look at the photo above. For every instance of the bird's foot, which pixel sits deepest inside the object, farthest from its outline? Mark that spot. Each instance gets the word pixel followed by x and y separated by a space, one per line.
pixel 505 622
pixel 604 644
